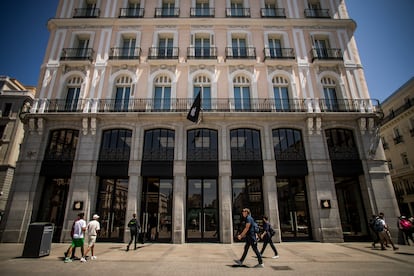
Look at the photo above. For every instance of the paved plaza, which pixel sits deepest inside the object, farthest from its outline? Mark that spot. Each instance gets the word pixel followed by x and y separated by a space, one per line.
pixel 296 258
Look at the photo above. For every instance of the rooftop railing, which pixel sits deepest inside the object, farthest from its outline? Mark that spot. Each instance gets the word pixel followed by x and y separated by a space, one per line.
pixel 131 12
pixel 86 13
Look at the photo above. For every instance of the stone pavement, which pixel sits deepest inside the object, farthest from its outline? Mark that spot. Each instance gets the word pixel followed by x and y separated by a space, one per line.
pixel 296 258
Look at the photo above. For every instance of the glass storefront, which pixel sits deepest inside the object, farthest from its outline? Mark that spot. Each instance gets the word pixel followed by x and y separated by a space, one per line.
pixel 293 209
pixel 202 210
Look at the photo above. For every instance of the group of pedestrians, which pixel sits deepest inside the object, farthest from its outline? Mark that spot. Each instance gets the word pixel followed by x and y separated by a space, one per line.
pixel 381 232
pixel 79 228
pixel 251 237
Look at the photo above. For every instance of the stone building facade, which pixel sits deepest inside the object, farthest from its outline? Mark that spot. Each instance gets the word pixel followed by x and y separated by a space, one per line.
pixel 287 126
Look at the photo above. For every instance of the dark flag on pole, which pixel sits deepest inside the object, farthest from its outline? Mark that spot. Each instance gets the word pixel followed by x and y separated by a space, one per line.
pixel 195 109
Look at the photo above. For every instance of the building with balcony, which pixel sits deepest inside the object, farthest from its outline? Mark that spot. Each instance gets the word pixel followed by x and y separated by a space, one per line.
pixel 13 96
pixel 286 123
pixel 397 137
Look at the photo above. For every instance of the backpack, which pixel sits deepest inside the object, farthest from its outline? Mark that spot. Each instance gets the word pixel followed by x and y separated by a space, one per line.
pixel 405 224
pixel 378 226
pixel 272 231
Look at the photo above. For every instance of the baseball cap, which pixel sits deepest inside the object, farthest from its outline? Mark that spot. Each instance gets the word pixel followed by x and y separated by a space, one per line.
pixel 95 216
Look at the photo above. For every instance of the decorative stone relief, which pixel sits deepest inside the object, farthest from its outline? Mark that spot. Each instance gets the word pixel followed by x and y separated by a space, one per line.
pixel 209 68
pixel 249 69
pixel 362 125
pixel 170 68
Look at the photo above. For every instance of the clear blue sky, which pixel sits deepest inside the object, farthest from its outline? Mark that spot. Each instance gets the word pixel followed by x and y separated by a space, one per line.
pixel 384 37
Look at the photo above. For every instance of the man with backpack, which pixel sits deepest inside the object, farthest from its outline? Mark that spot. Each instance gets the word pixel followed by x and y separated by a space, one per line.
pixel 249 233
pixel 134 228
pixel 383 232
pixel 267 235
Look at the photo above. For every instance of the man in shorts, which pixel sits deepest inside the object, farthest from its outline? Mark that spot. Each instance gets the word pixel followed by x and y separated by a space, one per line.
pixel 92 229
pixel 78 236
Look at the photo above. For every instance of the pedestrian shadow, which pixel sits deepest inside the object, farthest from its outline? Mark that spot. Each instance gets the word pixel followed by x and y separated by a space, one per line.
pixel 405 253
pixel 239 266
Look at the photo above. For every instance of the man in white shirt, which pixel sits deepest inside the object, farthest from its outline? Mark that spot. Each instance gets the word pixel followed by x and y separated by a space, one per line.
pixel 92 231
pixel 78 237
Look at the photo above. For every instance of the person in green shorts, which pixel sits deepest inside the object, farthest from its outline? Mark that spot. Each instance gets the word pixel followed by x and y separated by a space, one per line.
pixel 78 237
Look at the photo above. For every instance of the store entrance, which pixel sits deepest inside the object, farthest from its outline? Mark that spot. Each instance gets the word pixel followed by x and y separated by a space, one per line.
pixel 111 206
pixel 293 209
pixel 156 209
pixel 202 211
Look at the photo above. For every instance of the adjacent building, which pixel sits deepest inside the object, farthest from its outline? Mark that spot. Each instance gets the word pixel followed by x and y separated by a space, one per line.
pixel 287 127
pixel 397 136
pixel 13 96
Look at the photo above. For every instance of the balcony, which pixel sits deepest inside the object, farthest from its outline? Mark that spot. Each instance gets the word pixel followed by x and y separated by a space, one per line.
pixel 273 13
pixel 118 53
pixel 326 54
pixel 167 12
pixel 241 52
pixel 407 105
pixel 202 12
pixel 163 53
pixel 131 13
pixel 202 52
pixel 237 12
pixel 279 53
pixel 77 54
pixel 398 139
pixel 86 13
pixel 270 105
pixel 317 13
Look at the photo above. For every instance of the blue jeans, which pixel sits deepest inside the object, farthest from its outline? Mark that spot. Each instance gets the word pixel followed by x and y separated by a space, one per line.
pixel 251 241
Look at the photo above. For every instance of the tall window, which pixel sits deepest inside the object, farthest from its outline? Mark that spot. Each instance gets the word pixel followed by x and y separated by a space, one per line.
pixel 241 93
pixel 202 85
pixel 275 47
pixel 158 145
pixel 341 144
pixel 62 145
pixel 82 47
pixel 128 47
pixel 281 93
pixel 116 145
pixel 73 87
pixel 165 47
pixel 288 144
pixel 202 8
pixel 245 144
pixel 168 7
pixel 321 47
pixel 237 8
pixel 123 93
pixel 202 46
pixel 162 93
pixel 202 145
pixel 329 92
pixel 239 45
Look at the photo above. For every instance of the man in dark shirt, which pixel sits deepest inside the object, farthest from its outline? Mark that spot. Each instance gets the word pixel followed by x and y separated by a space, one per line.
pixel 134 228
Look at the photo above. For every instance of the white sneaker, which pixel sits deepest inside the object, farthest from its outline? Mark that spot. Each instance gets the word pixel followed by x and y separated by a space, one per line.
pixel 93 258
pixel 83 260
pixel 275 257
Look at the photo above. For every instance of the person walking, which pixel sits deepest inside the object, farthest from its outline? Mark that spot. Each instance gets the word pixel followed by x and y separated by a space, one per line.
pixel 92 229
pixel 405 226
pixel 78 237
pixel 153 227
pixel 250 238
pixel 134 228
pixel 375 236
pixel 384 234
pixel 266 237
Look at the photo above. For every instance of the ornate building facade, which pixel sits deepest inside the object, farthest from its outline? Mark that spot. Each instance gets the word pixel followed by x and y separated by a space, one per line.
pixel 287 126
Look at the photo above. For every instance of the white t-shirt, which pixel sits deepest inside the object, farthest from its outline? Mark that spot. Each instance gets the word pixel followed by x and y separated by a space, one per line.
pixel 78 233
pixel 93 227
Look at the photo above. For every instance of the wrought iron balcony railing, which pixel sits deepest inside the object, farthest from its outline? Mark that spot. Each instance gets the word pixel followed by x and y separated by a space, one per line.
pixel 202 12
pixel 274 13
pixel 86 13
pixel 125 53
pixel 208 105
pixel 163 53
pixel 202 52
pixel 407 105
pixel 278 53
pixel 238 12
pixel 77 54
pixel 241 52
pixel 167 12
pixel 131 12
pixel 326 54
pixel 317 13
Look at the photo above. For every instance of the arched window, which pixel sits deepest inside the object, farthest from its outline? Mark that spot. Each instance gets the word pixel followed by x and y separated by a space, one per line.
pixel 245 144
pixel 116 145
pixel 241 86
pixel 158 145
pixel 122 93
pixel 341 144
pixel 202 145
pixel 62 145
pixel 162 93
pixel 73 87
pixel 281 93
pixel 202 84
pixel 288 144
pixel 329 92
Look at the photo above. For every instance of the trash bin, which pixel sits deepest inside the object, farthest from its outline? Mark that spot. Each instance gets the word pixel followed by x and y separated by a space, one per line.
pixel 38 240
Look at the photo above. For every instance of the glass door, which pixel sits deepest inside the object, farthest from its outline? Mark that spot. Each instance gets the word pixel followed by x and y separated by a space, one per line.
pixel 156 209
pixel 202 210
pixel 293 209
pixel 111 206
